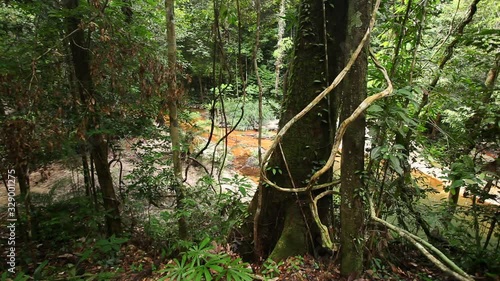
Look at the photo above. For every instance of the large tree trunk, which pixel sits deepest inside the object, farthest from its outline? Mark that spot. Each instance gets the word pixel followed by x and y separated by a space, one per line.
pixel 285 226
pixel 352 190
pixel 99 150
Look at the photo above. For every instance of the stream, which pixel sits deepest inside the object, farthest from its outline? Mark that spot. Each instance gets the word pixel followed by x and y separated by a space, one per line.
pixel 242 159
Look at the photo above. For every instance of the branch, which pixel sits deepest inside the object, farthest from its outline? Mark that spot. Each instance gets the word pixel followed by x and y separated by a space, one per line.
pixel 326 241
pixel 325 237
pixel 343 127
pixel 418 242
pixel 447 56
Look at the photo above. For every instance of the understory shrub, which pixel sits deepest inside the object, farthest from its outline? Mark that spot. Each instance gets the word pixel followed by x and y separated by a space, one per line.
pixel 207 261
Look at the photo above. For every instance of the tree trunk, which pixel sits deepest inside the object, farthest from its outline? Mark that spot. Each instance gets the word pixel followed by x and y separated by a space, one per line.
pixel 111 204
pixel 285 226
pixel 86 171
pixel 352 190
pixel 22 173
pixel 23 177
pixel 99 150
pixel 172 99
pixel 279 45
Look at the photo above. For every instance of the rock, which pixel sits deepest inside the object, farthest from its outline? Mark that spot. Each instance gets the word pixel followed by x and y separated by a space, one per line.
pixel 272 125
pixel 252 162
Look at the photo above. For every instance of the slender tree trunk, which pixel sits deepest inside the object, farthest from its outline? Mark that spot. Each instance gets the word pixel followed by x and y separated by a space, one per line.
pixel 401 36
pixel 447 56
pixel 92 181
pixel 491 79
pixel 86 171
pixel 23 178
pixel 22 173
pixel 172 99
pixel 494 221
pixel 99 150
pixel 111 203
pixel 352 189
pixel 279 45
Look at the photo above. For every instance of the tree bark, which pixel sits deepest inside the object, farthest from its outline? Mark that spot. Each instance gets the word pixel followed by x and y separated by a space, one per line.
pixel 86 171
pixel 285 225
pixel 23 178
pixel 110 202
pixel 352 190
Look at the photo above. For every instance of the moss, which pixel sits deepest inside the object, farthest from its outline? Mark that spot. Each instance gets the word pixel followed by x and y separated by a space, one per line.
pixel 293 239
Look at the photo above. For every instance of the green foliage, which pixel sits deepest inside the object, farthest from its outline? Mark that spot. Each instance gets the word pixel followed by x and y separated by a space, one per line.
pixel 206 212
pixel 277 170
pixel 206 262
pixel 462 173
pixel 272 269
pixel 150 180
pixel 73 218
pixel 457 118
pixel 19 277
pixel 42 117
pixel 377 268
pixel 465 236
pixel 108 247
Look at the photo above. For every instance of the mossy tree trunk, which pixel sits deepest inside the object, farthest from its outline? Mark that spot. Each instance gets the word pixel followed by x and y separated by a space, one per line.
pixel 285 225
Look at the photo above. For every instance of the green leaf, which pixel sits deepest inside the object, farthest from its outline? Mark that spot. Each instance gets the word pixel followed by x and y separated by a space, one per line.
pixel 38 270
pixel 374 108
pixel 204 243
pixel 395 164
pixel 469 181
pixel 242 190
pixel 375 153
pixel 208 276
pixel 455 184
pixel 216 268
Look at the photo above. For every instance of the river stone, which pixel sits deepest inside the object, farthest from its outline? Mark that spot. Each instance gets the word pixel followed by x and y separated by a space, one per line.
pixel 252 162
